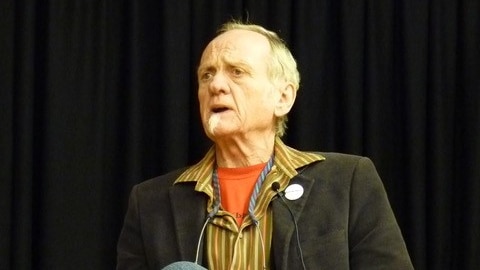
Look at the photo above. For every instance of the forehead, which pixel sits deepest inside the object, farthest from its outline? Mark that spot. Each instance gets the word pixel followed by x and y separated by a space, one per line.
pixel 236 45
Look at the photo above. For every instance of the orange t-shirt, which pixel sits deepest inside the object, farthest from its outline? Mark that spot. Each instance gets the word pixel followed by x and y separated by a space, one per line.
pixel 236 187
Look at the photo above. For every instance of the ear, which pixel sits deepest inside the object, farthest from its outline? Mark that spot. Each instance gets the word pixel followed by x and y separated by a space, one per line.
pixel 285 100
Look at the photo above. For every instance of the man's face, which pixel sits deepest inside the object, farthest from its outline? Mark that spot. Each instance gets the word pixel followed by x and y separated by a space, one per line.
pixel 235 93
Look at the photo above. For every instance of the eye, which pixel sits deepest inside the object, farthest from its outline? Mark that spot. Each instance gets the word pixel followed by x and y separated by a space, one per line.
pixel 205 76
pixel 237 72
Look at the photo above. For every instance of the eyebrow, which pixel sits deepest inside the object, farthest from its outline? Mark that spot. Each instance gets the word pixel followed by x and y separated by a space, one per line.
pixel 204 68
pixel 236 63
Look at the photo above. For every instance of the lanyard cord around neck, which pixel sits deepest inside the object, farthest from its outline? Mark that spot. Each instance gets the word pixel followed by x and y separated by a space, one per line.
pixel 253 197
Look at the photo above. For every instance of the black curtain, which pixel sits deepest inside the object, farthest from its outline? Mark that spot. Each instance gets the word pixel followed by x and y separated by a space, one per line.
pixel 96 96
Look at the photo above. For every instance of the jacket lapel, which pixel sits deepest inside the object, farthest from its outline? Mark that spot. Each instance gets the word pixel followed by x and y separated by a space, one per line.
pixel 284 226
pixel 188 224
pixel 189 214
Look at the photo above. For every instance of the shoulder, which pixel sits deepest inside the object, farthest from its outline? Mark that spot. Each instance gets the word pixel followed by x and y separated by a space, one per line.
pixel 335 157
pixel 338 169
pixel 340 162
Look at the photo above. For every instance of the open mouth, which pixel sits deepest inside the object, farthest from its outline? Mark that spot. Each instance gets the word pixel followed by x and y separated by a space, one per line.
pixel 219 109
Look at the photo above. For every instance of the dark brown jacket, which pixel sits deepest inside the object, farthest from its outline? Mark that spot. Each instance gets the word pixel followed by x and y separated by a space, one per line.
pixel 344 221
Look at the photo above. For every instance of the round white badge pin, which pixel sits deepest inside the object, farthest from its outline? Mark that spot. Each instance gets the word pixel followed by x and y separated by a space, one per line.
pixel 293 192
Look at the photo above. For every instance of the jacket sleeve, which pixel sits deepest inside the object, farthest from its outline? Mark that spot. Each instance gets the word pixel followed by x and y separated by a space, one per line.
pixel 375 239
pixel 130 250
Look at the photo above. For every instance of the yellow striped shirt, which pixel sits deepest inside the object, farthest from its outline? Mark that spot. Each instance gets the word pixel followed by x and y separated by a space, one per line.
pixel 247 246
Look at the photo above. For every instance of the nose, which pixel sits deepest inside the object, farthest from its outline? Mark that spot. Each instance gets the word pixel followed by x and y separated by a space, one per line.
pixel 219 84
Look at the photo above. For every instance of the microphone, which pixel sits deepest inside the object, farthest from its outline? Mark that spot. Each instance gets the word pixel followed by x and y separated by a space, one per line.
pixel 183 265
pixel 276 188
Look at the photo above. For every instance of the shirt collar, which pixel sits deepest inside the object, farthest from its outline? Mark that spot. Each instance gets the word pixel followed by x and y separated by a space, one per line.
pixel 287 159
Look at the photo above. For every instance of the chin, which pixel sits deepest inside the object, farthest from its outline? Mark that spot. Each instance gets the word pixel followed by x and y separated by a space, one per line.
pixel 219 134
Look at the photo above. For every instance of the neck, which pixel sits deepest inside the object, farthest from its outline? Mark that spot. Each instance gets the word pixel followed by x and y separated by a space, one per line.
pixel 234 153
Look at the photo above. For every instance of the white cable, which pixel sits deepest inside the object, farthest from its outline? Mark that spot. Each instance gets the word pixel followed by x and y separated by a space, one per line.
pixel 200 239
pixel 262 242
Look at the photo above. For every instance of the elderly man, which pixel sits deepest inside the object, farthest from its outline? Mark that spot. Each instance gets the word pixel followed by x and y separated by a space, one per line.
pixel 252 202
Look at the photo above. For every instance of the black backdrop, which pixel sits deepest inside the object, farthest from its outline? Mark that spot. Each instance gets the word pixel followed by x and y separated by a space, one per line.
pixel 99 95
